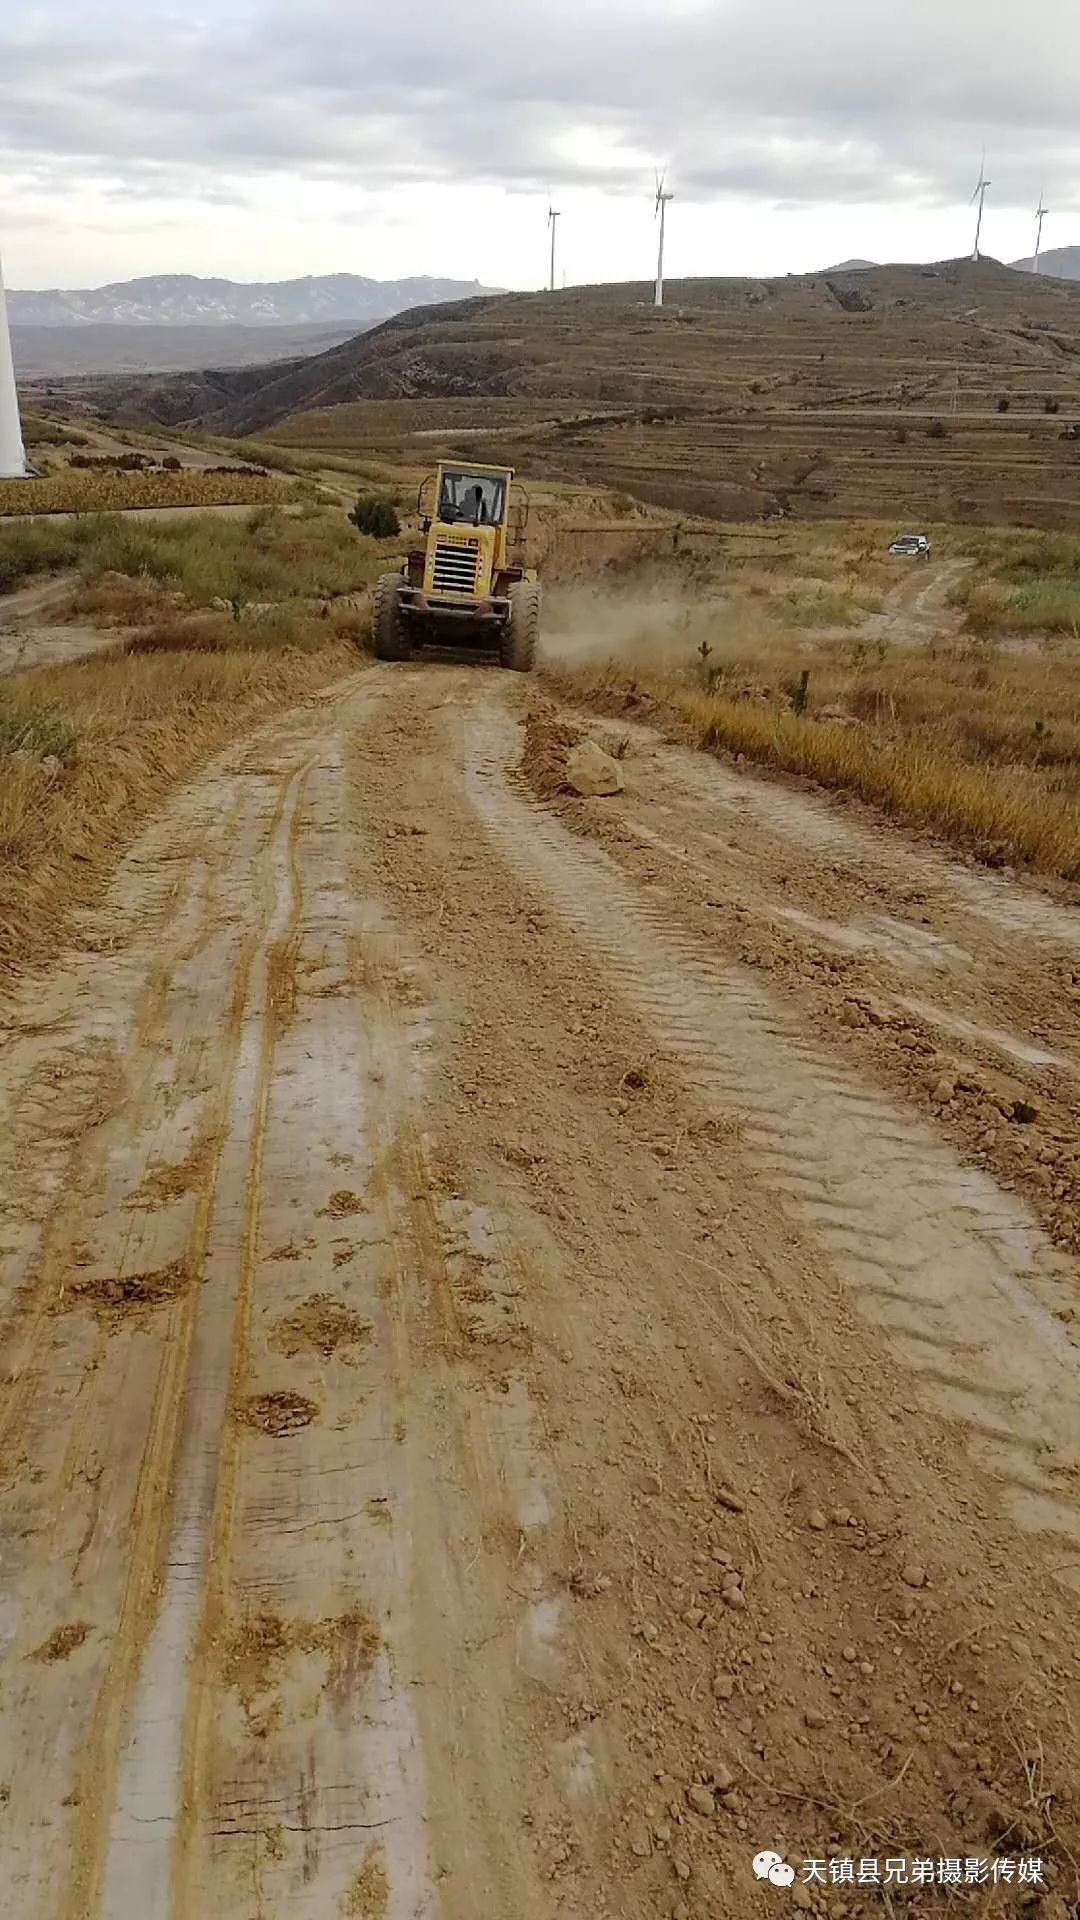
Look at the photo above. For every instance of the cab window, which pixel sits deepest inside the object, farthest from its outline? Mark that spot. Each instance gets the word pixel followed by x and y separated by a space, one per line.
pixel 477 499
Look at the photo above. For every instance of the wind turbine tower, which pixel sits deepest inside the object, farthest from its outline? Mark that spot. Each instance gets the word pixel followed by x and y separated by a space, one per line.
pixel 12 451
pixel 980 196
pixel 662 200
pixel 1040 215
pixel 554 216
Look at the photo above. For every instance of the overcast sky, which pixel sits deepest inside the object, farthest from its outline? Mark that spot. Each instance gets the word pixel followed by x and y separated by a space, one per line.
pixel 267 138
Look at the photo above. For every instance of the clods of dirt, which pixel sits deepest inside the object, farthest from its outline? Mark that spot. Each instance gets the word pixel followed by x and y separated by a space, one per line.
pixel 292 1250
pixel 123 1296
pixel 323 1324
pixel 548 745
pixel 558 760
pixel 278 1414
pixel 368 1897
pixel 61 1643
pixel 166 1182
pixel 342 1205
pixel 261 1643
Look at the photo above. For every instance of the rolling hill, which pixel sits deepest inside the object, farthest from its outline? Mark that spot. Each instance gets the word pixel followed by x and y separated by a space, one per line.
pixel 858 391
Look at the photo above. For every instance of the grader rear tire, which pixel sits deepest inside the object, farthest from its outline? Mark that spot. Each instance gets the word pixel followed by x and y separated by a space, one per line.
pixel 518 646
pixel 389 633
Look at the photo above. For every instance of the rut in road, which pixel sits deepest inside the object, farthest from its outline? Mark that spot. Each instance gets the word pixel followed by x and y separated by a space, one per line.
pixel 240 1468
pixel 385 1419
pixel 955 1270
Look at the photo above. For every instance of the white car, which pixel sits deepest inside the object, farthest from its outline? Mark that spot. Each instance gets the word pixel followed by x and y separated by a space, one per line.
pixel 911 546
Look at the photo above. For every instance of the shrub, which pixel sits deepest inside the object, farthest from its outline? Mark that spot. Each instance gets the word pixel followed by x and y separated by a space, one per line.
pixel 1004 404
pixel 1050 405
pixel 936 430
pixel 376 516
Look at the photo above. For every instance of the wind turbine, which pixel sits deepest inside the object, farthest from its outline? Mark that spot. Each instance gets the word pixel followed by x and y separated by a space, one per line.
pixel 12 451
pixel 662 200
pixel 1040 215
pixel 554 216
pixel 980 195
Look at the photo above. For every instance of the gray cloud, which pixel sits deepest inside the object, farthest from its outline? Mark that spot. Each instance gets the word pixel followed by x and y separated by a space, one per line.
pixel 783 99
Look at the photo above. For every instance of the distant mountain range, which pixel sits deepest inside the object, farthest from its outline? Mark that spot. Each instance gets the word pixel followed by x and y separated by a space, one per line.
pixel 181 299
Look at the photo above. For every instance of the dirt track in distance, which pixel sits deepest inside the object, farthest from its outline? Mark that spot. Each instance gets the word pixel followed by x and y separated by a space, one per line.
pixel 34 634
pixel 532 1371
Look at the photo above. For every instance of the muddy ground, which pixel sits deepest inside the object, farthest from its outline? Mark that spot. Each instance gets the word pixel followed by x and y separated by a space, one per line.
pixel 541 1347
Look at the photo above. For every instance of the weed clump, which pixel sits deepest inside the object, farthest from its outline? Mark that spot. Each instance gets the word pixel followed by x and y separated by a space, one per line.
pixel 377 516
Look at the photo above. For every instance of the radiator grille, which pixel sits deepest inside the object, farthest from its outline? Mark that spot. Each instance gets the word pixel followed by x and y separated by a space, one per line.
pixel 455 569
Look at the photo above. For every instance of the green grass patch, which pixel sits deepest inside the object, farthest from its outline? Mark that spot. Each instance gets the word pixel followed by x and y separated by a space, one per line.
pixel 29 724
pixel 31 547
pixel 270 556
pixel 1029 583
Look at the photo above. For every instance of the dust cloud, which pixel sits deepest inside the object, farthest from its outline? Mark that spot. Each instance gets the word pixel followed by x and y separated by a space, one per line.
pixel 584 624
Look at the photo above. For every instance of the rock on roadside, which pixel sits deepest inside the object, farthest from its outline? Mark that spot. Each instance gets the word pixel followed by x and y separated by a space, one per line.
pixel 592 772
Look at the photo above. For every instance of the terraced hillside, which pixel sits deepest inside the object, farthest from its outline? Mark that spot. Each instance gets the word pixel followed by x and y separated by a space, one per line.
pixel 936 392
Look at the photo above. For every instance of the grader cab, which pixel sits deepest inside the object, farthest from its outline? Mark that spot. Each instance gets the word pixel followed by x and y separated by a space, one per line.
pixel 468 584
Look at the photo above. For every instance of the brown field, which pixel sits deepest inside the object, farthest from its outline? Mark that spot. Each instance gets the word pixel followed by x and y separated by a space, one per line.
pixel 69 491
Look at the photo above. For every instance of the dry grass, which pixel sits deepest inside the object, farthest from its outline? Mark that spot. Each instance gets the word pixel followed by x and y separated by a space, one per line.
pixel 87 749
pixel 71 491
pixel 941 727
pixel 1001 811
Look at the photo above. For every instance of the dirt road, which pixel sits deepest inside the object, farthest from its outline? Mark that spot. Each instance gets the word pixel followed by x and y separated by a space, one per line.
pixel 520 1394
pixel 917 609
pixel 33 633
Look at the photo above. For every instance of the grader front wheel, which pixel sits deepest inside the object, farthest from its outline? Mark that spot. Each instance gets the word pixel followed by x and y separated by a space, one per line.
pixel 389 633
pixel 522 630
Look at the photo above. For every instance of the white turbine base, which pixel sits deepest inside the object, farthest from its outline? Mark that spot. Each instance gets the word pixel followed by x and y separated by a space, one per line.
pixel 12 450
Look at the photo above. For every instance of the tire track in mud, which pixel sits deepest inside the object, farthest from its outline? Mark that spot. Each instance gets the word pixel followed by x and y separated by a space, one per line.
pixel 953 1270
pixel 137 1864
pixel 302 1763
pixel 798 818
pixel 83 1530
pixel 278 1023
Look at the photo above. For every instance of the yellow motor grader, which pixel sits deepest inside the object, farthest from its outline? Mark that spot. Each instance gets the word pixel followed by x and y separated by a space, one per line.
pixel 467 584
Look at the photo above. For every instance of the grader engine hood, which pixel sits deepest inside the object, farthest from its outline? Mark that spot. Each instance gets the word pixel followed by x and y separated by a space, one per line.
pixel 460 562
